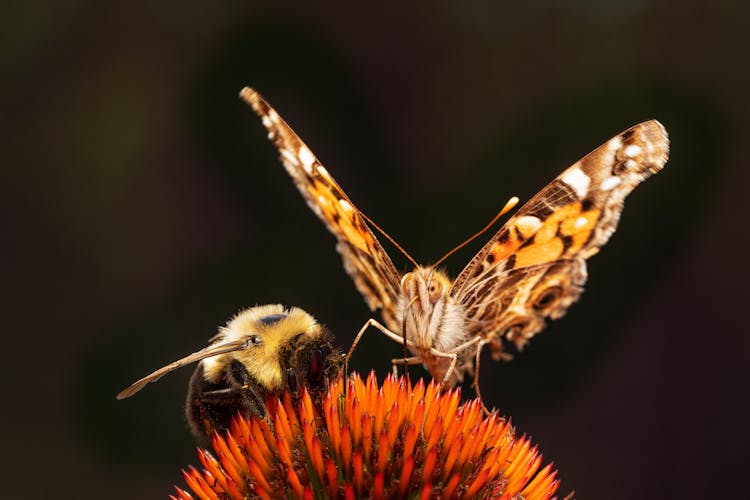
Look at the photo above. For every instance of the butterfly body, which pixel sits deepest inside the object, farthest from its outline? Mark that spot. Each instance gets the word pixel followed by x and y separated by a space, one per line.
pixel 430 319
pixel 533 269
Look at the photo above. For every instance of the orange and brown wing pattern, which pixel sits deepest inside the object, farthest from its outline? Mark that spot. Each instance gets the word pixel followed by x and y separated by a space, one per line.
pixel 540 252
pixel 514 305
pixel 364 258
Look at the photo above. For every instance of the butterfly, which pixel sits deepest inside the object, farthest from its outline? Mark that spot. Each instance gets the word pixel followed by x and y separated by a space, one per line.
pixel 532 269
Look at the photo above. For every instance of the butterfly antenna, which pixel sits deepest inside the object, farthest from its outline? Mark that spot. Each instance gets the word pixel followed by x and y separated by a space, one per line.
pixel 388 237
pixel 508 206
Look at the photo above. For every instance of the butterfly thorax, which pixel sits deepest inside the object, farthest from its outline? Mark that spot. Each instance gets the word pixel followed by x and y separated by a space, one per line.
pixel 430 317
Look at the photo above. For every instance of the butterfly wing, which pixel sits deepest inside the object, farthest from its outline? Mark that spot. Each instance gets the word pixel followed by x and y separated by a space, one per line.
pixel 364 258
pixel 534 268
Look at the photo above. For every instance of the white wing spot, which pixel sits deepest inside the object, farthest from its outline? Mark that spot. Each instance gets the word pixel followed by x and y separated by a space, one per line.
pixel 575 178
pixel 528 225
pixel 581 221
pixel 266 121
pixel 273 115
pixel 289 157
pixel 609 183
pixel 307 158
pixel 346 205
pixel 322 200
pixel 323 172
pixel 632 150
pixel 614 144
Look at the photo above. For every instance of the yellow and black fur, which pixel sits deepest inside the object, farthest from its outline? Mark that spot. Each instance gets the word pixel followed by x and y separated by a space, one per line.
pixel 263 351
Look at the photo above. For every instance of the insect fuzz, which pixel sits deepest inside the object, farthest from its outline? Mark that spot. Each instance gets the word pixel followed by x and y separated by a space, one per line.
pixel 433 324
pixel 263 351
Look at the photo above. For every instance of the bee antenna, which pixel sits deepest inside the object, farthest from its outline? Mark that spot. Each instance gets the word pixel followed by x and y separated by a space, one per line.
pixel 508 206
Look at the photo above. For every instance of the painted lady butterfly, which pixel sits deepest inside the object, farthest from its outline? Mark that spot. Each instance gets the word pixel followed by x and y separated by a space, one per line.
pixel 532 269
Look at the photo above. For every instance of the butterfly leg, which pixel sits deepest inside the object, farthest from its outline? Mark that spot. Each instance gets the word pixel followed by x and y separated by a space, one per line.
pixel 372 322
pixel 475 384
pixel 454 357
pixel 451 367
pixel 406 361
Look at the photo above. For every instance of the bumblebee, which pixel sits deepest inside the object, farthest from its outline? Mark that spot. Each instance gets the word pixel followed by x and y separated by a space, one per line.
pixel 261 352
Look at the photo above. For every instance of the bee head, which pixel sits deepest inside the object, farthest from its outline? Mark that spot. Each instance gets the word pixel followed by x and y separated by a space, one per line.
pixel 267 332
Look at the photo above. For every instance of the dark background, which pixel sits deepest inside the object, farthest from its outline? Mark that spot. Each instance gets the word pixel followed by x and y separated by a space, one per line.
pixel 145 207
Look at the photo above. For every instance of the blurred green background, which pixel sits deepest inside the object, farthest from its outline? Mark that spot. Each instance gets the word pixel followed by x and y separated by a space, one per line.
pixel 146 207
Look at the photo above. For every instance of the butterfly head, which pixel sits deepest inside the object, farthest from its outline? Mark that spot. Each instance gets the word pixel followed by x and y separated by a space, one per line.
pixel 425 288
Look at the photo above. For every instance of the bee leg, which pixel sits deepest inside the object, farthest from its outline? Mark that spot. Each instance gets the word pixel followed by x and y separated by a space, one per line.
pixel 246 383
pixel 233 396
pixel 253 400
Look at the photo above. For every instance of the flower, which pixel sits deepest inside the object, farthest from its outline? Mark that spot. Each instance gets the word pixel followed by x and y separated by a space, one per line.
pixel 398 440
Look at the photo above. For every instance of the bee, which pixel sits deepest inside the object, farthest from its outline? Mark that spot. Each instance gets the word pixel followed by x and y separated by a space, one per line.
pixel 261 352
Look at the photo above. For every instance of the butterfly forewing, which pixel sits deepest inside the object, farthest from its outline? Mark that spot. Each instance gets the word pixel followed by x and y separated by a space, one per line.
pixel 541 249
pixel 364 258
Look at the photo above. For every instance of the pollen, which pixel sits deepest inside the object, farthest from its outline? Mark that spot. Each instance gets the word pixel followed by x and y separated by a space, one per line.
pixel 366 440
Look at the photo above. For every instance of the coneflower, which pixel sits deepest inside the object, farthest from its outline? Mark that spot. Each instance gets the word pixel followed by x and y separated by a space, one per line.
pixel 401 440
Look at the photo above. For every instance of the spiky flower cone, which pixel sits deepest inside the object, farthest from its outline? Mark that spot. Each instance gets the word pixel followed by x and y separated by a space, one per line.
pixel 395 441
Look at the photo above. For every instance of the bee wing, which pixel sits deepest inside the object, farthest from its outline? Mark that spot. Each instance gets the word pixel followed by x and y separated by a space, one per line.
pixel 212 350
